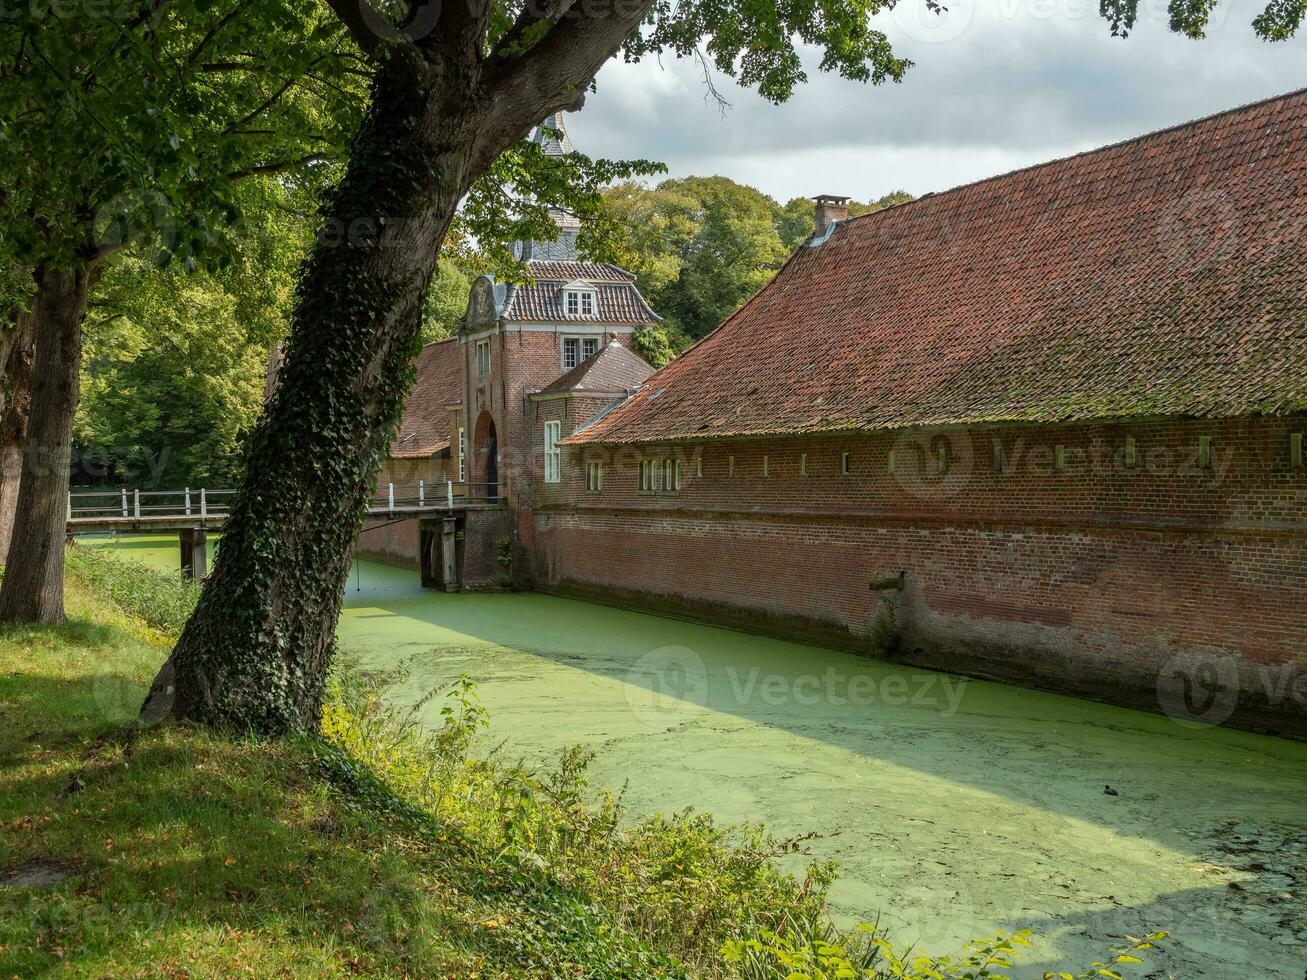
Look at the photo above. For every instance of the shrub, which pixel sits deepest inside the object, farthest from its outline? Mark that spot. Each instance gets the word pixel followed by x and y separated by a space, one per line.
pixel 162 600
pixel 682 883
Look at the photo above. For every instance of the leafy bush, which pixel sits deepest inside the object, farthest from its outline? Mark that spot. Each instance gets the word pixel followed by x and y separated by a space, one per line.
pixel 162 600
pixel 682 883
pixel 872 956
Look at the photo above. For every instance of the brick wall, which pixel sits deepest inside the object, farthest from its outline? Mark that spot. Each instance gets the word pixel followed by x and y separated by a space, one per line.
pixel 1064 567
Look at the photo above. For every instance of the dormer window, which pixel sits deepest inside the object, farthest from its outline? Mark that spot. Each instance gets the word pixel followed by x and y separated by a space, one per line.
pixel 578 299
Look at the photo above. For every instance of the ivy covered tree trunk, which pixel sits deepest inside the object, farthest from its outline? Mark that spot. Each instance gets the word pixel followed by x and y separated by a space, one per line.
pixel 32 589
pixel 256 652
pixel 15 401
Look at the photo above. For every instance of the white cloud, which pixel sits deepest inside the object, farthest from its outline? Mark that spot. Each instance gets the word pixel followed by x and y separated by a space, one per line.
pixel 997 85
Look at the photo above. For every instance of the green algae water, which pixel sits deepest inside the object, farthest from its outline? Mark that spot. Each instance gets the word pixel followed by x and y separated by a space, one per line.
pixel 954 808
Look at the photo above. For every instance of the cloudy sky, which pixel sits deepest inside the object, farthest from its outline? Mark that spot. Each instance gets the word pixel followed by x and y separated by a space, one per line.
pixel 997 84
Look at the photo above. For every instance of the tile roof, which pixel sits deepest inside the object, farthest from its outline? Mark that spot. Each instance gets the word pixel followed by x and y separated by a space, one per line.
pixel 618 300
pixel 1163 276
pixel 614 368
pixel 424 430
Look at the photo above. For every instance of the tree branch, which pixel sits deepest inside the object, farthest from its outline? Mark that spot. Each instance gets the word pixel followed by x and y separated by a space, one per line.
pixel 359 18
pixel 280 166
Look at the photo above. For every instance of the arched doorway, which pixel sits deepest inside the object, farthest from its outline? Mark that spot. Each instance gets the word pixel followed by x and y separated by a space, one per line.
pixel 487 454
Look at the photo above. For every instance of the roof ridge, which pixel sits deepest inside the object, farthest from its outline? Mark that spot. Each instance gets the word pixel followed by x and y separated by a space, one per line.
pixel 1174 127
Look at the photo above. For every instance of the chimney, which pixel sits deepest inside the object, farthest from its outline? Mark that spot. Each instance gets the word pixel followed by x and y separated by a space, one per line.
pixel 830 209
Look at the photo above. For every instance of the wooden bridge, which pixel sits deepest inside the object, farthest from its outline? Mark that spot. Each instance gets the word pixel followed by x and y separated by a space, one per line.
pixel 193 513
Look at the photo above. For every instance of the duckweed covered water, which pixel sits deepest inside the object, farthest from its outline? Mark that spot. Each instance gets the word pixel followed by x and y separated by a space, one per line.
pixel 954 807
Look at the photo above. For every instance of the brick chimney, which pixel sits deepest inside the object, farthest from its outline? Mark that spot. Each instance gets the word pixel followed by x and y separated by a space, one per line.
pixel 830 208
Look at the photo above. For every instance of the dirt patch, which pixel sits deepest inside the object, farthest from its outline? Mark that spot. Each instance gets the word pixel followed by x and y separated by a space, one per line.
pixel 40 873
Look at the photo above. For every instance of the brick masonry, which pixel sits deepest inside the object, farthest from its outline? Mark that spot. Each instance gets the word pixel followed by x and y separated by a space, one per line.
pixel 1064 559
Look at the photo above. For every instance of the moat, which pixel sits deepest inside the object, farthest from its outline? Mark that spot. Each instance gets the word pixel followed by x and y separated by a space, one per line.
pixel 954 807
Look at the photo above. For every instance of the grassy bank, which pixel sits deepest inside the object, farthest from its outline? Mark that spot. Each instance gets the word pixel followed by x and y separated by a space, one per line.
pixel 379 850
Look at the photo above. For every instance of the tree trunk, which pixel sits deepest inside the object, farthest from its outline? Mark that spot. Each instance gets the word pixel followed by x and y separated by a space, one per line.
pixel 15 400
pixel 33 586
pixel 256 651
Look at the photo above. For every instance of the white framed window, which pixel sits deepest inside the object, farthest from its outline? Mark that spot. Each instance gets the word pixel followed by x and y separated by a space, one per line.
pixel 594 476
pixel 553 455
pixel 462 455
pixel 672 475
pixel 647 470
pixel 578 349
pixel 483 358
pixel 578 302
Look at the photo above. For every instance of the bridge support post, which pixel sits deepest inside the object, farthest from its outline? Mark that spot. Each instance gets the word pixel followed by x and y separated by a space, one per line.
pixel 195 553
pixel 448 551
pixel 438 553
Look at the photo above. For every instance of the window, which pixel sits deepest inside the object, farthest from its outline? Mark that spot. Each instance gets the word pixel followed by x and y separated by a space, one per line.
pixel 1129 458
pixel 646 474
pixel 672 475
pixel 1295 450
pixel 483 358
pixel 578 349
pixel 730 465
pixel 462 456
pixel 553 455
pixel 844 463
pixel 578 302
pixel 698 466
pixel 1059 458
pixel 803 464
pixel 998 456
pixel 766 466
pixel 941 460
pixel 889 461
pixel 1205 452
pixel 594 476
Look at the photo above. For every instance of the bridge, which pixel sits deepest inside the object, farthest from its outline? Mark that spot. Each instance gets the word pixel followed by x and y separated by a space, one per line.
pixel 193 513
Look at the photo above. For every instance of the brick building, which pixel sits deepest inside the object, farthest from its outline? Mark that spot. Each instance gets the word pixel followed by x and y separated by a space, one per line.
pixel 1047 428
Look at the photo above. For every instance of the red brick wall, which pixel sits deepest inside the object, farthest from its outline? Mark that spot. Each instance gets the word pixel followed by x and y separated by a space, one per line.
pixel 1097 578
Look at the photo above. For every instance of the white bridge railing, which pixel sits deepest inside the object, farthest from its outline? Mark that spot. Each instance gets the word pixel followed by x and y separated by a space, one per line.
pixel 203 503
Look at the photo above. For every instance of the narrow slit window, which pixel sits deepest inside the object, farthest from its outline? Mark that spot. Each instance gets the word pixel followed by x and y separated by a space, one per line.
pixel 730 465
pixel 803 464
pixel 698 466
pixel 1059 458
pixel 462 455
pixel 553 454
pixel 998 456
pixel 1131 452
pixel 941 459
pixel 594 476
pixel 844 464
pixel 889 461
pixel 1205 452
pixel 1295 450
pixel 766 466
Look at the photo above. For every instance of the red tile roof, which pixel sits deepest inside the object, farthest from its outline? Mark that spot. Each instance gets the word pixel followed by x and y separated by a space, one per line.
pixel 613 369
pixel 1164 276
pixel 618 300
pixel 424 430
